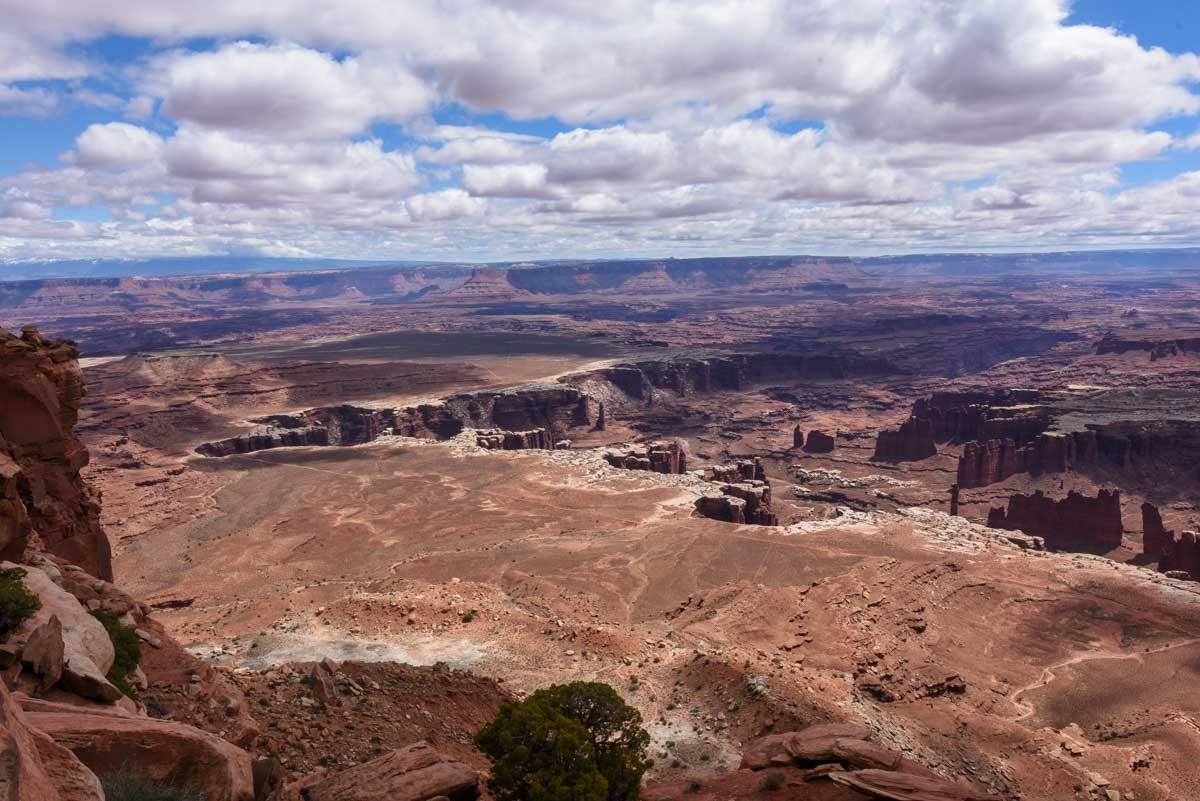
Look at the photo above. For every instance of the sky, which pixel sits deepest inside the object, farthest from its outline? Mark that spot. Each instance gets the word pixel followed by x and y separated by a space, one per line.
pixel 470 130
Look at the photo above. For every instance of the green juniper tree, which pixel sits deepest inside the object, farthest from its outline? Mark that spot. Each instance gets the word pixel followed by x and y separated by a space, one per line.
pixel 568 742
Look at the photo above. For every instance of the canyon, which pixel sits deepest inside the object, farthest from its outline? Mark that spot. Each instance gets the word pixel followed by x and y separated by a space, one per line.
pixel 753 495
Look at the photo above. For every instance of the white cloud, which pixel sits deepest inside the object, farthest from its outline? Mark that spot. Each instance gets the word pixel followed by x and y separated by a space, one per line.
pixel 140 107
pixel 772 125
pixel 506 180
pixel 288 91
pixel 115 145
pixel 448 204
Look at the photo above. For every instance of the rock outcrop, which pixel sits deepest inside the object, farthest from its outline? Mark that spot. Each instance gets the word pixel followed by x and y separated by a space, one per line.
pixel 1155 537
pixel 824 763
pixel 415 773
pixel 797 437
pixel 990 461
pixel 33 767
pixel 1182 555
pixel 819 442
pixel 741 494
pixel 107 741
pixel 659 457
pixel 1077 522
pixel 911 442
pixel 41 491
pixel 498 440
pixel 553 408
pixel 83 650
pixel 1011 431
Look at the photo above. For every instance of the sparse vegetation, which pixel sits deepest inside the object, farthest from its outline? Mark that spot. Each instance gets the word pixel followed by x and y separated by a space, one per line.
pixel 17 603
pixel 129 784
pixel 566 742
pixel 771 782
pixel 127 646
pixel 468 616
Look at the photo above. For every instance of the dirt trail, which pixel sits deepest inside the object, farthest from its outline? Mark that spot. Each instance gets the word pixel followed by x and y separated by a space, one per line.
pixel 1049 674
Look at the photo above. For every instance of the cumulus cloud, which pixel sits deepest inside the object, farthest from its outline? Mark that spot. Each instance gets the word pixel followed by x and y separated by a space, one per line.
pixel 448 204
pixel 288 91
pixel 687 125
pixel 115 145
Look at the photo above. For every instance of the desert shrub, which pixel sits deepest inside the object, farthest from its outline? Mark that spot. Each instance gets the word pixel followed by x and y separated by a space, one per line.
pixel 127 646
pixel 17 602
pixel 771 781
pixel 568 742
pixel 129 784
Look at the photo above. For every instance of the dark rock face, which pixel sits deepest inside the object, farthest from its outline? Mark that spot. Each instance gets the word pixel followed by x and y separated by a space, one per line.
pixel 1166 344
pixel 1182 555
pixel 989 461
pixel 797 438
pixel 1155 538
pixel 658 457
pixel 1076 522
pixel 986 414
pixel 819 442
pixel 41 490
pixel 912 442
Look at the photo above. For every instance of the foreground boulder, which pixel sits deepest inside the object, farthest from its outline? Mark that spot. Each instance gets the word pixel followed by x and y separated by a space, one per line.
pixel 33 767
pixel 830 762
pixel 65 644
pixel 107 742
pixel 415 773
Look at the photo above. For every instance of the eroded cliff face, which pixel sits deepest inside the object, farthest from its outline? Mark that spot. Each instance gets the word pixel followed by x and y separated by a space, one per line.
pixel 41 492
pixel 1009 431
pixel 911 442
pixel 552 409
pixel 643 382
pixel 1077 522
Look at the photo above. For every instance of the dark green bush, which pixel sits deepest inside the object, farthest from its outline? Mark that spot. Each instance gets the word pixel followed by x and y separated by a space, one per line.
pixel 129 784
pixel 568 742
pixel 127 646
pixel 17 603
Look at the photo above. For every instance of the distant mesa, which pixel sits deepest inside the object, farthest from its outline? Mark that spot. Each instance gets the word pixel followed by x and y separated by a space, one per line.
pixel 484 285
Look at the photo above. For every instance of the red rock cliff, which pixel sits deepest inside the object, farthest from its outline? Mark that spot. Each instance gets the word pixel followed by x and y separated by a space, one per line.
pixel 41 491
pixel 1075 522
